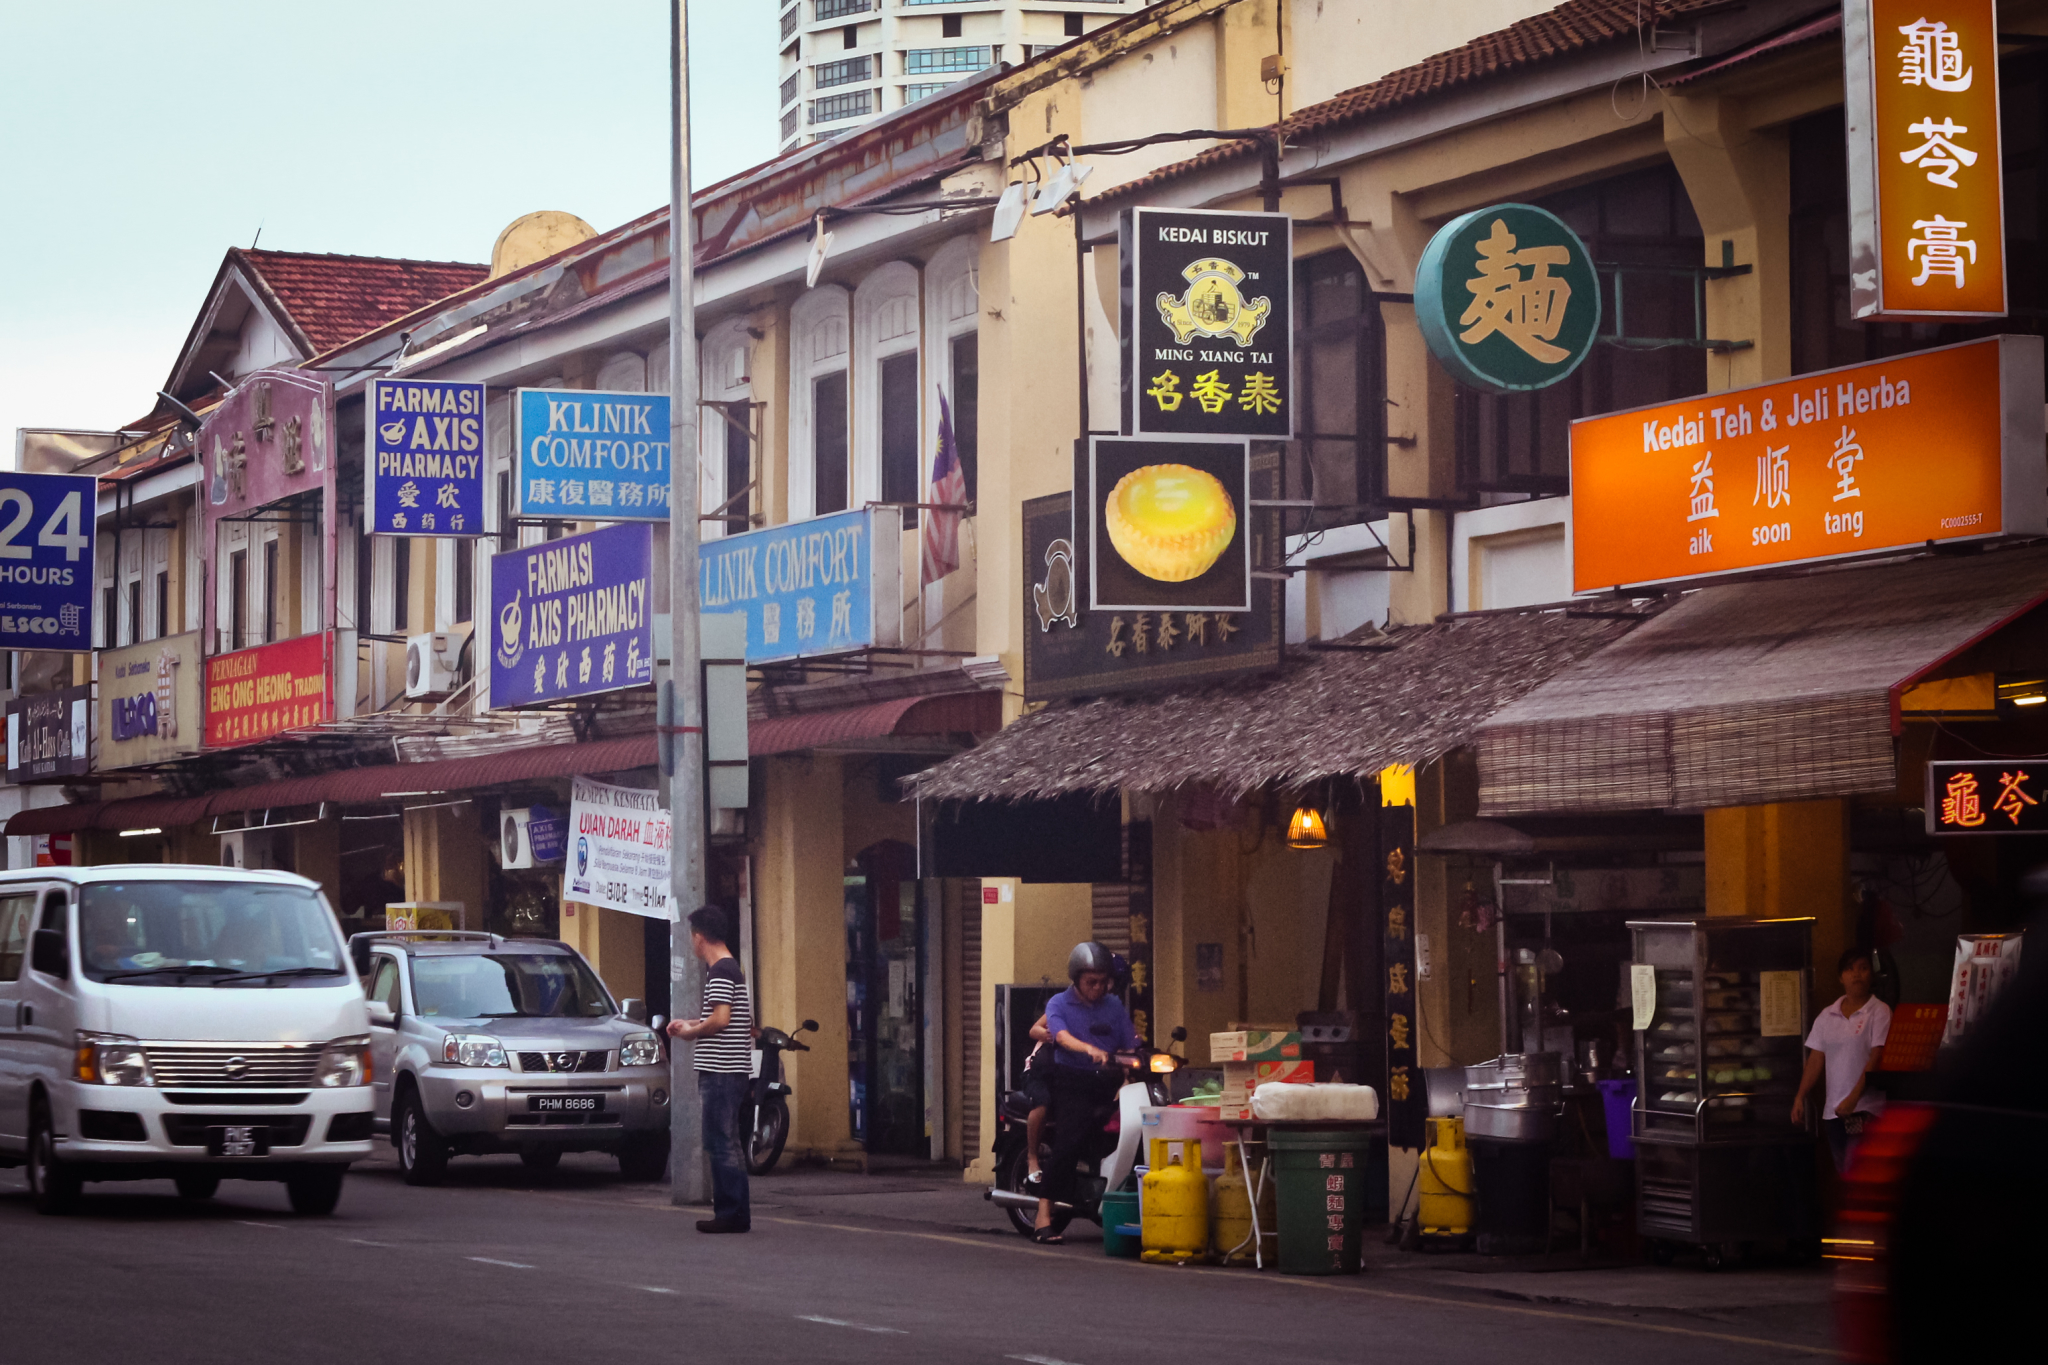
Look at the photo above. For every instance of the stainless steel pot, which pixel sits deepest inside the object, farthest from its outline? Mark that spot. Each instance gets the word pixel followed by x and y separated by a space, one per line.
pixel 1517 1080
pixel 1511 1123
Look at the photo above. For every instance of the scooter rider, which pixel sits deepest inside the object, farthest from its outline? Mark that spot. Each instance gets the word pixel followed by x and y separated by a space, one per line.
pixel 1089 1026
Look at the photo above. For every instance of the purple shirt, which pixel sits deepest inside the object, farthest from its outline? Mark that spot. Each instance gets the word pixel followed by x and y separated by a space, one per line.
pixel 1105 1024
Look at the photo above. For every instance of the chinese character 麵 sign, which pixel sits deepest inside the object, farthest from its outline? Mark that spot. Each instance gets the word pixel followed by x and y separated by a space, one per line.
pixel 426 466
pixel 1507 298
pixel 1999 796
pixel 253 694
pixel 822 586
pixel 1926 208
pixel 46 560
pixel 1209 323
pixel 593 456
pixel 571 617
pixel 1940 445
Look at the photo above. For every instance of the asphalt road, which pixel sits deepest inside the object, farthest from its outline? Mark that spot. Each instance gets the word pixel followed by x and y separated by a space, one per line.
pixel 501 1266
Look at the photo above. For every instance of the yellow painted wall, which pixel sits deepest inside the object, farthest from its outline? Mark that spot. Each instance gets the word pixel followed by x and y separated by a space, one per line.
pixel 1785 861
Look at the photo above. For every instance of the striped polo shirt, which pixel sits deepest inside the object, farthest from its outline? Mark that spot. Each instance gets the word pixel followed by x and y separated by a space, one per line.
pixel 731 1049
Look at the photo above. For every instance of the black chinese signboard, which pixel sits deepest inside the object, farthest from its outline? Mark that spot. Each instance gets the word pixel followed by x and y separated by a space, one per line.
pixel 1164 525
pixel 1208 323
pixel 1407 1105
pixel 48 735
pixel 1996 796
pixel 1070 651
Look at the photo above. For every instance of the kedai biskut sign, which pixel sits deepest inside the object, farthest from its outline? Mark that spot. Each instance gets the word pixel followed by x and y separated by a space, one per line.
pixel 1941 445
pixel 572 617
pixel 601 456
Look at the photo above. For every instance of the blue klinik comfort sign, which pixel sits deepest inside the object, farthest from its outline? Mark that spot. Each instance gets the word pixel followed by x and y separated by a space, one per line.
pixel 808 587
pixel 426 466
pixel 570 617
pixel 593 456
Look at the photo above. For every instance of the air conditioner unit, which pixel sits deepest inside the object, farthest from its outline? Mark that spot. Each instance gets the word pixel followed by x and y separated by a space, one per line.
pixel 247 848
pixel 515 848
pixel 433 664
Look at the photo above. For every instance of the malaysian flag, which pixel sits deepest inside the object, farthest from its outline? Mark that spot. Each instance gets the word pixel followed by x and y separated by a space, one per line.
pixel 949 485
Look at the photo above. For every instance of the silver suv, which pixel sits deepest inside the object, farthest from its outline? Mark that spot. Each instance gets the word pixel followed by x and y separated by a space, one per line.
pixel 484 1044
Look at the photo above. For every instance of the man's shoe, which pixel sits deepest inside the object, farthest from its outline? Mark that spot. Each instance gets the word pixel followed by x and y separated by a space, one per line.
pixel 719 1225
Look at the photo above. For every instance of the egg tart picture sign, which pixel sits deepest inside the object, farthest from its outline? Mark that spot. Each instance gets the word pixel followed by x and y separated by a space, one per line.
pixel 1166 524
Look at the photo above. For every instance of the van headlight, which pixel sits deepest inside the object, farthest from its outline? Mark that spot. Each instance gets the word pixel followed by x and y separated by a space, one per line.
pixel 345 1061
pixel 472 1049
pixel 111 1059
pixel 640 1049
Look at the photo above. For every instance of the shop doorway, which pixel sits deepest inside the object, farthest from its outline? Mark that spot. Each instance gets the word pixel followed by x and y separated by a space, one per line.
pixel 885 968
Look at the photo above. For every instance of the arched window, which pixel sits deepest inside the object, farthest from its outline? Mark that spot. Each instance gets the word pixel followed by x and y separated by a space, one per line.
pixel 818 414
pixel 725 452
pixel 1339 456
pixel 952 320
pixel 888 393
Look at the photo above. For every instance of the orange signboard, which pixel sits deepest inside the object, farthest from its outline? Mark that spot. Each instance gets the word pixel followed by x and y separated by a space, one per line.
pixel 1940 445
pixel 1927 218
pixel 253 694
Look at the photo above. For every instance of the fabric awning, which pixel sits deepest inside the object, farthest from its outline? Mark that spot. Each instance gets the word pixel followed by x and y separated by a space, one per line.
pixel 1776 690
pixel 399 781
pixel 951 713
pixel 68 819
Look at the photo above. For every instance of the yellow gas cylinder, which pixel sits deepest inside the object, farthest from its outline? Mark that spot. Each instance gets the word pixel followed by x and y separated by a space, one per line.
pixel 1230 1206
pixel 1174 1203
pixel 1446 1183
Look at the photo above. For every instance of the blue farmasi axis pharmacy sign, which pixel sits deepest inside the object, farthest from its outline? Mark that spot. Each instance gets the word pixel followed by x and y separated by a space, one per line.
pixel 805 588
pixel 426 457
pixel 593 456
pixel 571 617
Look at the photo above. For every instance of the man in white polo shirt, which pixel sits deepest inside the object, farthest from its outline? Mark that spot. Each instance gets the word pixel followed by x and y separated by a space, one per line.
pixel 1846 1045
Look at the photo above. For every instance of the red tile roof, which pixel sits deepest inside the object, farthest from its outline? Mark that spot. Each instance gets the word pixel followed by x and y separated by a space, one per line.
pixel 333 299
pixel 1572 27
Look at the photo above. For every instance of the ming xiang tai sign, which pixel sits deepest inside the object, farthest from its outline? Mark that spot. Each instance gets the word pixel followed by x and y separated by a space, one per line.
pixel 602 456
pixel 827 585
pixel 1941 445
pixel 573 616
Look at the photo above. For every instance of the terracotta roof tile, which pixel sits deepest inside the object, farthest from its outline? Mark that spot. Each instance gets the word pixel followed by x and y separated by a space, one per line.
pixel 1572 27
pixel 336 298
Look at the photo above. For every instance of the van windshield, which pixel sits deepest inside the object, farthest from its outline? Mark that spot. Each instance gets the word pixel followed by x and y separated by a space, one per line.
pixel 508 986
pixel 205 933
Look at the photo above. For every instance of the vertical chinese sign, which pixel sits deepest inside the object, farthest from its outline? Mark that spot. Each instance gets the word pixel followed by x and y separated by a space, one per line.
pixel 1407 1103
pixel 1138 875
pixel 1926 210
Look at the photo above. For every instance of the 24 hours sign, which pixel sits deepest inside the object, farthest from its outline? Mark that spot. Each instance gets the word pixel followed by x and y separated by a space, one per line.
pixel 46 560
pixel 426 443
pixel 1208 323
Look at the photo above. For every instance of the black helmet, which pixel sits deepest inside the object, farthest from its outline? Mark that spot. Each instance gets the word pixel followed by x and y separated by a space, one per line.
pixel 1090 957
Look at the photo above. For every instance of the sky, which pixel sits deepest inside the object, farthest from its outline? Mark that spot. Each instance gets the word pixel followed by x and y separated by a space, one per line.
pixel 143 139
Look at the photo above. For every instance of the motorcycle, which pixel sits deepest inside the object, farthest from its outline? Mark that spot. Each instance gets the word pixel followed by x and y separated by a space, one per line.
pixel 765 1116
pixel 1107 1162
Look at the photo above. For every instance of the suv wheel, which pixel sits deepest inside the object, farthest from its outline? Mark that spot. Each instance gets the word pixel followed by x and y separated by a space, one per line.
pixel 644 1156
pixel 314 1190
pixel 422 1152
pixel 53 1185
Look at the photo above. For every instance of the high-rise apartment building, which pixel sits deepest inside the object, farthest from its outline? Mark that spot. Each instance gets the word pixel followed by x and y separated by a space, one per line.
pixel 846 61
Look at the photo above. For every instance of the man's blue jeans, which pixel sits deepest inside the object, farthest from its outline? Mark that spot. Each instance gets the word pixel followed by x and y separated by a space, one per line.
pixel 723 1093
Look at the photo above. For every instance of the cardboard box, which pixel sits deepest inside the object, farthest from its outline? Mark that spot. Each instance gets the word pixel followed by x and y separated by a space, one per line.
pixel 1241 1078
pixel 1255 1045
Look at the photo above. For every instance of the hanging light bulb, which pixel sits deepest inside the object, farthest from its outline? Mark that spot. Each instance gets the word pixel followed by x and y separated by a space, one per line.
pixel 1306 830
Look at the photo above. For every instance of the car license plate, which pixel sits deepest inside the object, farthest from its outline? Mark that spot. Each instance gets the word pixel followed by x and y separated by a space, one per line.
pixel 238 1140
pixel 565 1104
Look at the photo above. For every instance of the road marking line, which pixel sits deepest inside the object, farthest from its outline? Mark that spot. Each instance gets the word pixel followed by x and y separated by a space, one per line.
pixel 1297 1282
pixel 509 1265
pixel 366 1242
pixel 653 1290
pixel 274 1227
pixel 1040 1360
pixel 856 1326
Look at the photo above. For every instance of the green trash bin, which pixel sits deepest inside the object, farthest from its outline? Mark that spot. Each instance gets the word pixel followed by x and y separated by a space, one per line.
pixel 1321 1174
pixel 1122 1234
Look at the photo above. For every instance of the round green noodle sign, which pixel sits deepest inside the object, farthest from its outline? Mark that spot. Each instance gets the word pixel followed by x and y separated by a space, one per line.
pixel 1507 298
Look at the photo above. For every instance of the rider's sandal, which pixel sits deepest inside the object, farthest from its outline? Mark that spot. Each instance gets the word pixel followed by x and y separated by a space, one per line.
pixel 1033 1180
pixel 1047 1237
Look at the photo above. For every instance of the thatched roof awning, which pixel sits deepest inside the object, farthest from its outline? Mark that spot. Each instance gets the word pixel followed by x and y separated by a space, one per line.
pixel 1408 696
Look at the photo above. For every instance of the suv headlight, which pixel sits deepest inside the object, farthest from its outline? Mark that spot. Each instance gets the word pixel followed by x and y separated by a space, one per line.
pixel 473 1049
pixel 640 1049
pixel 112 1059
pixel 345 1061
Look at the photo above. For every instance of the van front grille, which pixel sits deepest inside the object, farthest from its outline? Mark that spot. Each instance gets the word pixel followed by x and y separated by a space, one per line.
pixel 262 1066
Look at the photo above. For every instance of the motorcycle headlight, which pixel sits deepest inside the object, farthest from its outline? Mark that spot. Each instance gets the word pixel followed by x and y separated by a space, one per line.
pixel 473 1049
pixel 640 1049
pixel 112 1059
pixel 345 1061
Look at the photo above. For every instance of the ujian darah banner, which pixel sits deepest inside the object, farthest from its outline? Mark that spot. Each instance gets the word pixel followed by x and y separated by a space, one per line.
pixel 572 616
pixel 618 849
pixel 1926 172
pixel 253 694
pixel 1941 445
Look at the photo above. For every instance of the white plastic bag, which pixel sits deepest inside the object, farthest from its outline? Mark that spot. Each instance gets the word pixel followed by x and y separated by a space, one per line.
pixel 1297 1101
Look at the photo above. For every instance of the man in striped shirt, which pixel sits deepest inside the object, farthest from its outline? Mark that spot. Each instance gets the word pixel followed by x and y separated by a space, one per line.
pixel 724 1059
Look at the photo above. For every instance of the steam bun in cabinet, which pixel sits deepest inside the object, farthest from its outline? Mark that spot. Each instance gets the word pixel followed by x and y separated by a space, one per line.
pixel 1170 522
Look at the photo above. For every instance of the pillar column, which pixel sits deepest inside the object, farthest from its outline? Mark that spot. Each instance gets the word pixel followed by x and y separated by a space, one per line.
pixel 1783 861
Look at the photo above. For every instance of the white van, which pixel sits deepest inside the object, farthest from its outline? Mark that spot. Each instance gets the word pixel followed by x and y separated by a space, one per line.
pixel 182 1023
